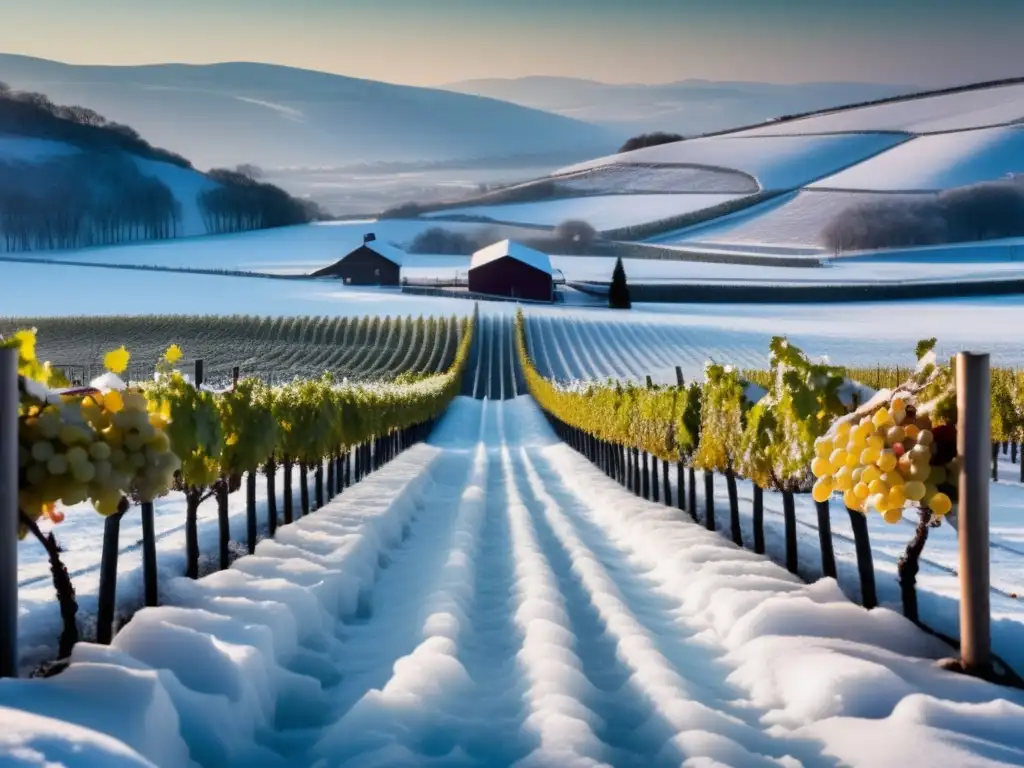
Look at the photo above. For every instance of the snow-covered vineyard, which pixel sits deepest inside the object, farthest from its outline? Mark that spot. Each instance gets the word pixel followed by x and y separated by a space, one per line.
pixel 489 598
pixel 481 585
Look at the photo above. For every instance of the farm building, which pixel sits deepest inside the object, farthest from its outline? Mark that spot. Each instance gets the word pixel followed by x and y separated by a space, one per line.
pixel 372 263
pixel 511 269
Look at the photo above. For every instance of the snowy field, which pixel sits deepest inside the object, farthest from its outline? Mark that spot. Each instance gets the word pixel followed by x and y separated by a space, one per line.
pixel 601 211
pixel 791 221
pixel 491 598
pixel 980 108
pixel 32 289
pixel 300 250
pixel 936 162
pixel 281 251
pixel 636 178
pixel 783 162
pixel 992 261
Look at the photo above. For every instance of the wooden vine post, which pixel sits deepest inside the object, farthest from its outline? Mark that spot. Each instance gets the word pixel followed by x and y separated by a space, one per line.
pixel 974 432
pixel 8 512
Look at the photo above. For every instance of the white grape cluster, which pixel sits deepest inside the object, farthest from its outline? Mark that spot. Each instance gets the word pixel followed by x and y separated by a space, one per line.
pixel 98 448
pixel 887 461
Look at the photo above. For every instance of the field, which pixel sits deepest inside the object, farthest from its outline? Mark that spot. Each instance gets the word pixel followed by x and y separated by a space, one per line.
pixel 603 212
pixel 777 163
pixel 271 348
pixel 1003 105
pixel 790 224
pixel 936 162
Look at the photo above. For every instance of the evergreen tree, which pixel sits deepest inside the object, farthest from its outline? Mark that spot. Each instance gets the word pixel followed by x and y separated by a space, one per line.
pixel 618 295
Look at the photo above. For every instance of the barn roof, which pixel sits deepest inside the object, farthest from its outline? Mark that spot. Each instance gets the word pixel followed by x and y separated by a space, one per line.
pixel 513 250
pixel 389 252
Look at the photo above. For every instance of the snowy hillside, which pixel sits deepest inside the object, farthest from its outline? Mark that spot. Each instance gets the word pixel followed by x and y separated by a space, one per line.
pixel 185 184
pixel 688 107
pixel 601 211
pixel 937 161
pixel 227 114
pixel 782 162
pixel 964 110
pixel 831 166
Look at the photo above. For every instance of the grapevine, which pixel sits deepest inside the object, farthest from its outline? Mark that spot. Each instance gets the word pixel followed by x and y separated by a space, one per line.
pixel 898 450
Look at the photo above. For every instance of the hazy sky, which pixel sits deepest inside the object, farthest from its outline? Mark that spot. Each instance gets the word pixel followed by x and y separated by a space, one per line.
pixel 427 42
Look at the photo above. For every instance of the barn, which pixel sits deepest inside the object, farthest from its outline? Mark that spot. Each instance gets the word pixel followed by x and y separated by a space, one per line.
pixel 372 263
pixel 511 269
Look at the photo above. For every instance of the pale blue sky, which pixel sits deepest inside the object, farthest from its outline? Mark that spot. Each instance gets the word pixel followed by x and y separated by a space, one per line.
pixel 425 42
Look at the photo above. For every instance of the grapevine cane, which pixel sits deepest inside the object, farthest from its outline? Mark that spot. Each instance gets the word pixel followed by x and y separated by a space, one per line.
pixel 250 510
pixel 8 512
pixel 107 598
pixel 149 569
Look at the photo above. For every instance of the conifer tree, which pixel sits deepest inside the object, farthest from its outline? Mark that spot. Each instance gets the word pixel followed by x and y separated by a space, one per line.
pixel 618 294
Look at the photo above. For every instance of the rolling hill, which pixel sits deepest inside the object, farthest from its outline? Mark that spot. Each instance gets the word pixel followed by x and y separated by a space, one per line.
pixel 689 107
pixel 274 116
pixel 926 169
pixel 71 178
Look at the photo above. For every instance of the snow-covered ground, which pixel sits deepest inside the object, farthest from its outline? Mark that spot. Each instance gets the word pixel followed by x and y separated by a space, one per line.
pixel 16 148
pixel 490 599
pixel 980 108
pixel 992 261
pixel 28 289
pixel 619 179
pixel 936 162
pixel 81 539
pixel 600 211
pixel 783 162
pixel 791 221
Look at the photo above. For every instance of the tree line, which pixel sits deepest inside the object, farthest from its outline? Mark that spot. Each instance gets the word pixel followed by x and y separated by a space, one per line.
pixel 984 211
pixel 82 200
pixel 241 202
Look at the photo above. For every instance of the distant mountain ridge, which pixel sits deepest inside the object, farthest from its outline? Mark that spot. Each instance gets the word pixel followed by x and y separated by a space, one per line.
pixel 689 107
pixel 274 116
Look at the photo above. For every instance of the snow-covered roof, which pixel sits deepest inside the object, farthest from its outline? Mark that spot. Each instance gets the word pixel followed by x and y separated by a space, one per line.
pixel 514 250
pixel 389 252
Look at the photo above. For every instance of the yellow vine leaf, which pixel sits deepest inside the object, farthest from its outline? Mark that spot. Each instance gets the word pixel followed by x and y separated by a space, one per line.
pixel 27 345
pixel 117 360
pixel 232 440
pixel 173 354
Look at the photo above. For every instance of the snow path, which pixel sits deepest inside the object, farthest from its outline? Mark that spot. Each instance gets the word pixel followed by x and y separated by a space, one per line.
pixel 552 628
pixel 489 598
